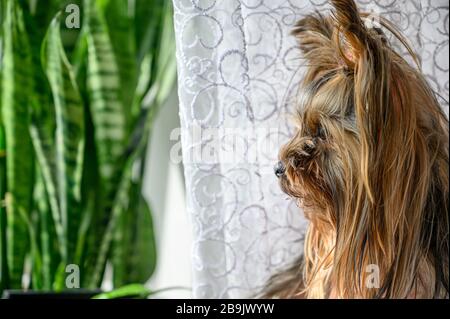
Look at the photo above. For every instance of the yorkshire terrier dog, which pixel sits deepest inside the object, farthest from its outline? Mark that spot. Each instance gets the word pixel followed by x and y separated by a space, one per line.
pixel 369 165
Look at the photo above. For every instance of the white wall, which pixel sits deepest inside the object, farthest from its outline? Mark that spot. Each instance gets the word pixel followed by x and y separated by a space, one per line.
pixel 165 190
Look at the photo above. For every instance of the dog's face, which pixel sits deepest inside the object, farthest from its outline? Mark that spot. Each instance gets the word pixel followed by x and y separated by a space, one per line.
pixel 320 161
pixel 368 161
pixel 319 165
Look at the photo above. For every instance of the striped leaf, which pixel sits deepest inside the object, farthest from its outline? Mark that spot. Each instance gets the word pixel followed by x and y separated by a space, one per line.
pixel 69 134
pixel 3 226
pixel 16 100
pixel 46 236
pixel 127 201
pixel 148 17
pixel 164 69
pixel 134 232
pixel 104 90
pixel 3 190
pixel 134 254
pixel 37 18
pixel 156 40
pixel 45 154
pixel 121 26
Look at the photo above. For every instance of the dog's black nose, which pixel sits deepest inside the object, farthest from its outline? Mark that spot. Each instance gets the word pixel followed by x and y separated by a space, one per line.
pixel 279 169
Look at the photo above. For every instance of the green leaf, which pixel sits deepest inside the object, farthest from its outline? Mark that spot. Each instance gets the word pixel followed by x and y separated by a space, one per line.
pixel 121 27
pixel 136 291
pixel 134 233
pixel 69 134
pixel 136 146
pixel 158 65
pixel 114 218
pixel 16 100
pixel 148 17
pixel 34 256
pixel 46 216
pixel 47 237
pixel 3 190
pixel 45 154
pixel 131 291
pixel 166 64
pixel 134 253
pixel 3 226
pixel 104 92
pixel 103 84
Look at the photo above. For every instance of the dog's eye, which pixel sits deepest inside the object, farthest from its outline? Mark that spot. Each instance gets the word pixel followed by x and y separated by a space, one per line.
pixel 320 132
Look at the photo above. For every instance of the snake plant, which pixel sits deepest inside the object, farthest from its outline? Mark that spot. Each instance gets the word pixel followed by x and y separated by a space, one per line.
pixel 76 112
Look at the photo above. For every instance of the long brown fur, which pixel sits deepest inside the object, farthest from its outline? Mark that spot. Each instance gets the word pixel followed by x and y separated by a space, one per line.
pixel 370 166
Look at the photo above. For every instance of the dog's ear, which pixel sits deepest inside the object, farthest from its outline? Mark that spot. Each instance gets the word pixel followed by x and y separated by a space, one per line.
pixel 351 36
pixel 317 35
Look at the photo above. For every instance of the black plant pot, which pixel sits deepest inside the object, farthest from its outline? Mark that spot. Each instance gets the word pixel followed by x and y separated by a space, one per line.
pixel 75 294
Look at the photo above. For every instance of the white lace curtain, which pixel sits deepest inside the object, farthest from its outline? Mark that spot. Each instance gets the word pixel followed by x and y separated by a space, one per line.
pixel 239 68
